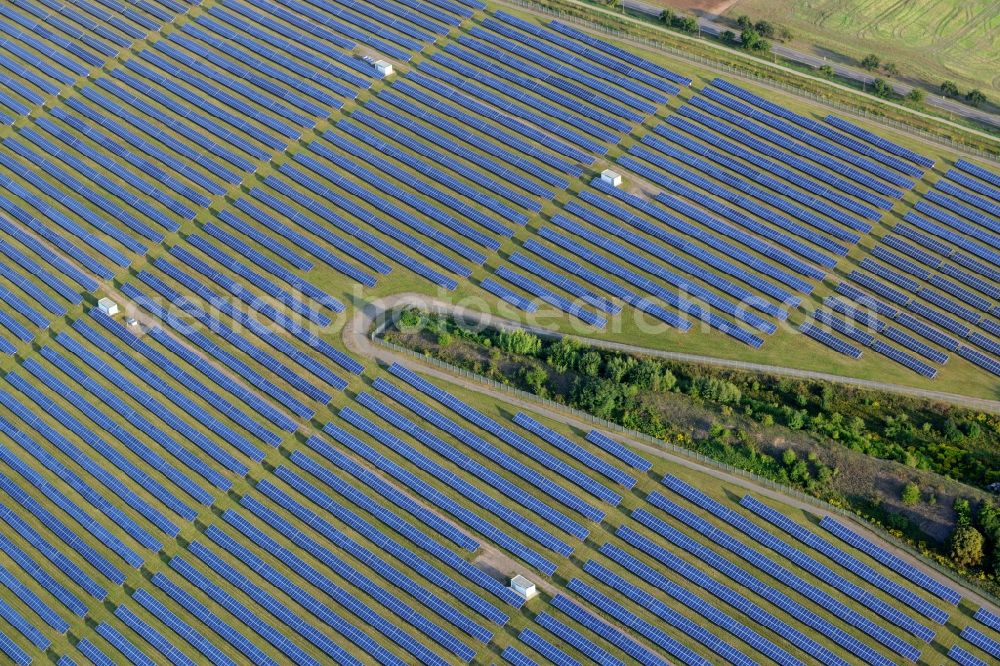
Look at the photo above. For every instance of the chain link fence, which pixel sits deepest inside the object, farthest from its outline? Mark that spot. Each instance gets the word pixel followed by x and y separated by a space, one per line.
pixel 376 338
pixel 751 75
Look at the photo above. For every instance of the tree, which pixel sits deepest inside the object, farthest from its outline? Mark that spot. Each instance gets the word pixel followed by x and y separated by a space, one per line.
pixel 826 70
pixel 870 62
pixel 881 89
pixel 910 496
pixel 949 89
pixel 890 69
pixel 744 22
pixel 519 341
pixel 616 367
pixel 410 319
pixel 535 378
pixel 647 375
pixel 952 432
pixel 716 390
pixel 975 97
pixel 963 512
pixel 562 354
pixel 590 364
pixel 752 41
pixel 784 34
pixel 727 36
pixel 667 17
pixel 966 549
pixel 915 96
pixel 688 24
pixel 765 28
pixel 599 397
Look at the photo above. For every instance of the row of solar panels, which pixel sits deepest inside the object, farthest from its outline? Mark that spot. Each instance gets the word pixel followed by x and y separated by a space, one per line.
pixel 766 591
pixel 538 66
pixel 881 179
pixel 111 637
pixel 475 495
pixel 820 571
pixel 716 589
pixel 586 53
pixel 921 256
pixel 77 44
pixel 401 553
pixel 139 421
pixel 692 182
pixel 564 50
pixel 891 332
pixel 863 147
pixel 742 295
pixel 110 186
pixel 724 151
pixel 469 139
pixel 536 453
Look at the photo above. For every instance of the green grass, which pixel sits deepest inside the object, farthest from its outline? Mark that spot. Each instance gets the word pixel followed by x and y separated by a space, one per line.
pixel 931 41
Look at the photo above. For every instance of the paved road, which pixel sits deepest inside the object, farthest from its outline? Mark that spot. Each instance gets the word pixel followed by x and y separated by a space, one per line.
pixel 711 25
pixel 434 305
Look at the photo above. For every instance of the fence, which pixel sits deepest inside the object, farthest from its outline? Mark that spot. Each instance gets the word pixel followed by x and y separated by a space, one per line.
pixel 752 75
pixel 376 338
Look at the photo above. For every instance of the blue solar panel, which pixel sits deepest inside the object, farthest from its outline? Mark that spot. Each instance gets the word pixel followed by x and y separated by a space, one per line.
pixel 519 443
pixel 830 340
pixel 473 494
pixel 989 645
pixel 745 579
pixel 780 573
pixel 545 648
pixel 468 463
pixel 895 563
pixel 963 657
pixel 717 589
pixel 815 568
pixel 616 637
pixel 848 562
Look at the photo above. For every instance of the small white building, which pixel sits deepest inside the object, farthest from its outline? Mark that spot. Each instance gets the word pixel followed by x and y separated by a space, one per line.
pixel 131 322
pixel 383 68
pixel 612 178
pixel 108 306
pixel 523 587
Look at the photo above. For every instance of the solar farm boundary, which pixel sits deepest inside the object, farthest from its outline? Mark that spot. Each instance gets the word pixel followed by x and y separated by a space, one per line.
pixel 749 75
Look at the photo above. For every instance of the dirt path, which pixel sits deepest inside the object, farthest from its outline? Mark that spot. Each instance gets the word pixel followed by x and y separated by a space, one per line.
pixel 407 299
pixel 356 338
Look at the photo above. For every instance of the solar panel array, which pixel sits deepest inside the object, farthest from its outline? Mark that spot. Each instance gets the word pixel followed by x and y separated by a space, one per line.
pixel 922 267
pixel 185 182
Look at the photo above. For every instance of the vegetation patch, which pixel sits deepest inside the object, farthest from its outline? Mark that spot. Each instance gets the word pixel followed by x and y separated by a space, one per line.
pixel 935 41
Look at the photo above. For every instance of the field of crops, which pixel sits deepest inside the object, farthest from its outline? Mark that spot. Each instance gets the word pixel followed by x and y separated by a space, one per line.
pixel 208 475
pixel 931 41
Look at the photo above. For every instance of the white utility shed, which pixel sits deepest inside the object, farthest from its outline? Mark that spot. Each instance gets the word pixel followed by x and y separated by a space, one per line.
pixel 108 306
pixel 523 587
pixel 612 178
